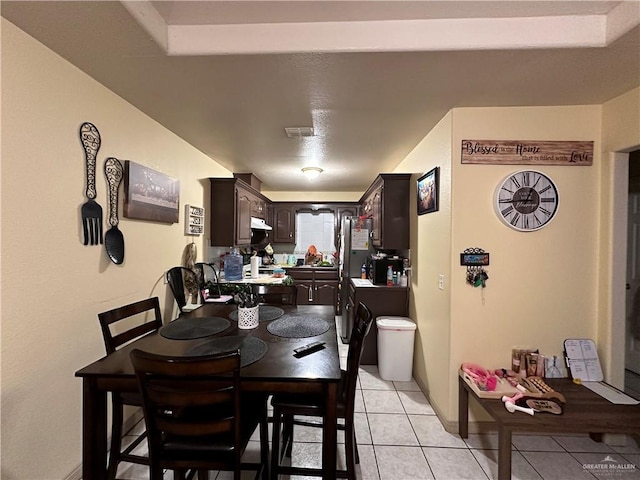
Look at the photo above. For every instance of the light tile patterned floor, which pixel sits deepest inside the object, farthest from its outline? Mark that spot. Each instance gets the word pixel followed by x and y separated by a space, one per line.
pixel 400 438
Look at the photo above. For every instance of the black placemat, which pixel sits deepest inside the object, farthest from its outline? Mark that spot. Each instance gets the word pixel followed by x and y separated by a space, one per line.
pixel 266 313
pixel 190 328
pixel 251 349
pixel 297 326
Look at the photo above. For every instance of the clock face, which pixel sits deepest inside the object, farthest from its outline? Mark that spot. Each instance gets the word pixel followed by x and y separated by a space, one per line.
pixel 526 200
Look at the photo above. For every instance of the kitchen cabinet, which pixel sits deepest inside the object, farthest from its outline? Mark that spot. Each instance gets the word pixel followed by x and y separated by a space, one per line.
pixel 386 202
pixel 233 203
pixel 316 286
pixel 382 300
pixel 284 223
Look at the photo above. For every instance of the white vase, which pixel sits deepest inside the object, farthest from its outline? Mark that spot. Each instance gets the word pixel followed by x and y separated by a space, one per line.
pixel 248 317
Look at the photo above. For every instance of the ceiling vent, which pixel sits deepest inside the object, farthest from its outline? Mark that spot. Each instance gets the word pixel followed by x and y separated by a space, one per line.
pixel 293 132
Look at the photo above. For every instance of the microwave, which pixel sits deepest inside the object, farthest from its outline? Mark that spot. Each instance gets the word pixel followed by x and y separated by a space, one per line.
pixel 377 268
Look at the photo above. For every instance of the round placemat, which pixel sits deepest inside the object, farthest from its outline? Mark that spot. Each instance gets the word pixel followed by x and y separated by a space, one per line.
pixel 266 313
pixel 190 328
pixel 296 326
pixel 251 349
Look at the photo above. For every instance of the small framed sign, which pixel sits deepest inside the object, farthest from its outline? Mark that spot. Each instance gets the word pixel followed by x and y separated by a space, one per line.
pixel 474 259
pixel 427 186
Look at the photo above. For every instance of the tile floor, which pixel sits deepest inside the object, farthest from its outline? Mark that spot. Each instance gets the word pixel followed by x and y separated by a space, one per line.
pixel 400 438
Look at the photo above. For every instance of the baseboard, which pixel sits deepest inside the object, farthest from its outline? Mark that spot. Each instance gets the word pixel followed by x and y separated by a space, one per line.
pixel 129 423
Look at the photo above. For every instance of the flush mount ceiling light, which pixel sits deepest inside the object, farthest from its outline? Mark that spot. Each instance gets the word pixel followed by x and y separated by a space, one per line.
pixel 294 132
pixel 312 172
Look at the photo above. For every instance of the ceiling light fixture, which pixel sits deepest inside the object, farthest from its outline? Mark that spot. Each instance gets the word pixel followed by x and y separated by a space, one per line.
pixel 312 172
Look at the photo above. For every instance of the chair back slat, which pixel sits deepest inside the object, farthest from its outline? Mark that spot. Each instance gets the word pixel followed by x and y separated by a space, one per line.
pixel 362 326
pixel 121 317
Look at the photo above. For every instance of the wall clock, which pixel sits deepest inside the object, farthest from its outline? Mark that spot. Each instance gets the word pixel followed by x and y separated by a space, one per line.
pixel 526 200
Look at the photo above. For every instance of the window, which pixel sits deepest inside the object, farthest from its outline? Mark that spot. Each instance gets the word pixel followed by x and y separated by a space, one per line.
pixel 315 229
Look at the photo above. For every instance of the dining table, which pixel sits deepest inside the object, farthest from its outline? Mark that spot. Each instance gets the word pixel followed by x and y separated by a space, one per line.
pixel 269 365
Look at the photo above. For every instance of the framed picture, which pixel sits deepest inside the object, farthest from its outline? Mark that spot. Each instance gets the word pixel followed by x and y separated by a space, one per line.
pixel 150 195
pixel 428 192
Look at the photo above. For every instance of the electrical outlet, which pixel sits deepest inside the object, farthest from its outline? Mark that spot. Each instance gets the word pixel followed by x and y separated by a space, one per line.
pixel 441 282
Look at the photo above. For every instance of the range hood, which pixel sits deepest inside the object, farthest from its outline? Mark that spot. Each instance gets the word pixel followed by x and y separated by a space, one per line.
pixel 259 224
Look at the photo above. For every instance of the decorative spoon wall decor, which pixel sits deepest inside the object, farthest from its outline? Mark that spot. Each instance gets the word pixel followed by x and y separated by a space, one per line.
pixel 91 211
pixel 113 239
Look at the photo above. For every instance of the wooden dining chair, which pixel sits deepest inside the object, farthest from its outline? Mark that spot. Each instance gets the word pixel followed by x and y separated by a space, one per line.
pixel 277 294
pixel 182 282
pixel 195 416
pixel 287 406
pixel 149 319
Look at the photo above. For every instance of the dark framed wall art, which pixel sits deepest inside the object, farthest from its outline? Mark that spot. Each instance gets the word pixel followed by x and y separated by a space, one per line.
pixel 149 194
pixel 427 187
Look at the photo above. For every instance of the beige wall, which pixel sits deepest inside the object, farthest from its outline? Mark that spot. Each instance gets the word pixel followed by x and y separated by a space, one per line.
pixel 430 254
pixel 52 285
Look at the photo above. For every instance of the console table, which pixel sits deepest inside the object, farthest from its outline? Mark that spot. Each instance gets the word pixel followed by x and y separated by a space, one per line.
pixel 584 412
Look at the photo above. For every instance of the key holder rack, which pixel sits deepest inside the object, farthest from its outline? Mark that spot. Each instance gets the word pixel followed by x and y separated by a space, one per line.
pixel 475 259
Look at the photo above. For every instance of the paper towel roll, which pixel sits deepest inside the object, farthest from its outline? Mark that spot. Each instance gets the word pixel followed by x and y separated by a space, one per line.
pixel 255 264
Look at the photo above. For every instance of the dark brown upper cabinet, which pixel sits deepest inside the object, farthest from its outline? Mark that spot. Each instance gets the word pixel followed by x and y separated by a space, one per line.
pixel 386 202
pixel 284 223
pixel 233 203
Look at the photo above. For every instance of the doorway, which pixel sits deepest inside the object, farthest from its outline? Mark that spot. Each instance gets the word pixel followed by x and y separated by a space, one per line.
pixel 632 300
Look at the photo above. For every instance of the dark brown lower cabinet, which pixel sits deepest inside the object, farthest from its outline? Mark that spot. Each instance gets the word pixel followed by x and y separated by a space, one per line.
pixel 382 301
pixel 316 286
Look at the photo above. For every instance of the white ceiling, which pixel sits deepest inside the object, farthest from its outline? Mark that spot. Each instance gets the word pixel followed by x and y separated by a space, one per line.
pixel 372 77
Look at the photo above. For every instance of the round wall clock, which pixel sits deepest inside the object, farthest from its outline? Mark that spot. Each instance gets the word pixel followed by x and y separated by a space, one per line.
pixel 526 200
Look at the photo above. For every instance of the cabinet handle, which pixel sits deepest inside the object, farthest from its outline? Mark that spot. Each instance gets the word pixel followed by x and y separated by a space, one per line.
pixel 310 294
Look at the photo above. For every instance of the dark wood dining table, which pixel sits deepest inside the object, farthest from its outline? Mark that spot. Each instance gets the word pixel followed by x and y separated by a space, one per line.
pixel 277 371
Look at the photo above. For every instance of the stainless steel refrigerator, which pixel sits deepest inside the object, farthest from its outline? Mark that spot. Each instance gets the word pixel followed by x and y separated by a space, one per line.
pixel 355 247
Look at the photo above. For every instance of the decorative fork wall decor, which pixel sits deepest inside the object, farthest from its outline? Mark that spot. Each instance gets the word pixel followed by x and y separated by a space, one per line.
pixel 91 211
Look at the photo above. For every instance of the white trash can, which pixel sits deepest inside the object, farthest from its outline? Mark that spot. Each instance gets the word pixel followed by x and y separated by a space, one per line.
pixel 395 348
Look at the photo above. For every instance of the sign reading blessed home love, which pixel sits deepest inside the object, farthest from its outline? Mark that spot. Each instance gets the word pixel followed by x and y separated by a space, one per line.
pixel 525 152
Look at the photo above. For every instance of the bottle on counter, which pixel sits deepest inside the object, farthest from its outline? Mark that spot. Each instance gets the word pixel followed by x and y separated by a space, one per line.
pixel 390 276
pixel 233 265
pixel 403 279
pixel 363 272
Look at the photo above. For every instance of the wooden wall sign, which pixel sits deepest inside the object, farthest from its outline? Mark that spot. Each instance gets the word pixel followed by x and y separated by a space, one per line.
pixel 525 152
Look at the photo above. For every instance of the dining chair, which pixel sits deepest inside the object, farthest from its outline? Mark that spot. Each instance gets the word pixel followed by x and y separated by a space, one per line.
pixel 207 272
pixel 287 406
pixel 195 417
pixel 277 294
pixel 182 281
pixel 114 334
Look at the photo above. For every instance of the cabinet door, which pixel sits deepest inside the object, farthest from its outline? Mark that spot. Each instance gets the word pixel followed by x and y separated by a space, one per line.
pixel 284 219
pixel 243 217
pixel 258 208
pixel 325 293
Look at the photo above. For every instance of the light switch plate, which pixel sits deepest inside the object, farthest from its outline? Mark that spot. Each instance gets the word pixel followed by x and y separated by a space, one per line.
pixel 441 282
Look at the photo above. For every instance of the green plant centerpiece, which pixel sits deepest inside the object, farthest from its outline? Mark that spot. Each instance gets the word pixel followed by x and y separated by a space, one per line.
pixel 244 297
pixel 288 280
